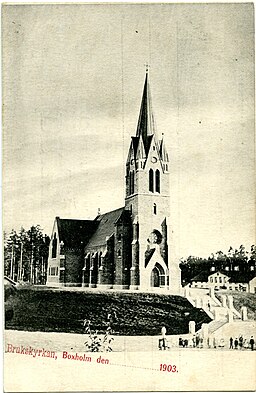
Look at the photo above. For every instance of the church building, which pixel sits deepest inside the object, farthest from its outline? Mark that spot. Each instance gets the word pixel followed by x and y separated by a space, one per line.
pixel 127 248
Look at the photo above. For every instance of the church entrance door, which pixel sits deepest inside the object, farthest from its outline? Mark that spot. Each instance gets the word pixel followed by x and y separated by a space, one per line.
pixel 158 277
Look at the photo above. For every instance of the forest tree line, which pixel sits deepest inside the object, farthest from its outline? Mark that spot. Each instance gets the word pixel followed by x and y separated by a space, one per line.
pixel 26 255
pixel 235 260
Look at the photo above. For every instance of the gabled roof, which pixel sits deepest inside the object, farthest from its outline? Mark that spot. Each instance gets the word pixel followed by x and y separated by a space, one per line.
pixel 202 277
pixel 219 272
pixel 241 277
pixel 146 142
pixel 105 227
pixel 75 233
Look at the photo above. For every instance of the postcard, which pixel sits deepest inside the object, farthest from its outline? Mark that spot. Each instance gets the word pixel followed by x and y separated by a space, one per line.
pixel 129 197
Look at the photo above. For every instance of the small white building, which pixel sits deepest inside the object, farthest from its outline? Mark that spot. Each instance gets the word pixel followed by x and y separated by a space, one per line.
pixel 219 280
pixel 252 285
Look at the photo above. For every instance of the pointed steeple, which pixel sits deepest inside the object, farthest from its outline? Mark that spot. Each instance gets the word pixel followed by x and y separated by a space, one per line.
pixel 146 123
pixel 163 151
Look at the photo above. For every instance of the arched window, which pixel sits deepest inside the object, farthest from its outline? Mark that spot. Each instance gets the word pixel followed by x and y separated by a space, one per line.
pixel 87 263
pixel 128 183
pixel 154 208
pixel 131 187
pixel 151 180
pixel 157 181
pixel 54 246
pixel 99 259
pixel 119 253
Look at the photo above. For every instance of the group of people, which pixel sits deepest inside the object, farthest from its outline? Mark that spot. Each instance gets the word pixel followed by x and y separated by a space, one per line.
pixel 241 342
pixel 183 343
pixel 197 341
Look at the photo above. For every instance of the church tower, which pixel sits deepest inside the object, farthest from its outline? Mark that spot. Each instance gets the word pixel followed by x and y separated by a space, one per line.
pixel 147 198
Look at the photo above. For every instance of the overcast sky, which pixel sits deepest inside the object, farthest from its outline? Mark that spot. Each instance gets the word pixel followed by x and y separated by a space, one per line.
pixel 73 78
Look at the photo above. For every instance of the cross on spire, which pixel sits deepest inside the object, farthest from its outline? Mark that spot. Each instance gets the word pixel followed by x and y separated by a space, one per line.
pixel 147 66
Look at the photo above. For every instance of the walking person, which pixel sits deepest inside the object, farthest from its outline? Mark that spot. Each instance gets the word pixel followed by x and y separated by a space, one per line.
pixel 162 340
pixel 251 342
pixel 245 344
pixel 241 341
pixel 236 343
pixel 197 340
pixel 231 343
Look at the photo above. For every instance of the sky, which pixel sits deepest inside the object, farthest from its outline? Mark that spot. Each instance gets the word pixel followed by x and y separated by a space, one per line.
pixel 72 83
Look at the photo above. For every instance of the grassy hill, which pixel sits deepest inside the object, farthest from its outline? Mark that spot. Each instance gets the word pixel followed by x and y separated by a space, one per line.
pixel 137 313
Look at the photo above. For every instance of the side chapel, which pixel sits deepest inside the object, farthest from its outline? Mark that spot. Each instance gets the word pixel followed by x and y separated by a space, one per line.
pixel 126 248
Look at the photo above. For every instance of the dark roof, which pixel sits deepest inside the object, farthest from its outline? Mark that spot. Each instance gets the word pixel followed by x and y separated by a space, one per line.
pixel 202 277
pixel 240 277
pixel 235 276
pixel 75 233
pixel 106 225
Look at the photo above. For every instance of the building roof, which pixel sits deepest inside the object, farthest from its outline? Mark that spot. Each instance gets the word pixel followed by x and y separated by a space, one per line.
pixel 105 227
pixel 75 233
pixel 240 277
pixel 202 277
pixel 234 276
pixel 219 272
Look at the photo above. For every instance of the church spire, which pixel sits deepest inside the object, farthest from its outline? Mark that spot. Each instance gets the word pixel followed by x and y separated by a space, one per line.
pixel 146 123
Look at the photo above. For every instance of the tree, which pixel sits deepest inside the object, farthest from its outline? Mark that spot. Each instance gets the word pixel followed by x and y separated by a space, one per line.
pixel 235 260
pixel 26 254
pixel 252 259
pixel 11 247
